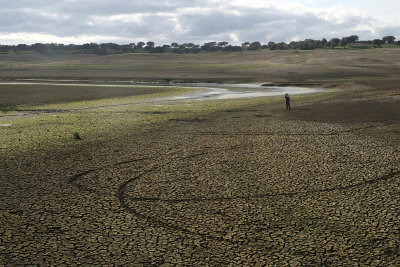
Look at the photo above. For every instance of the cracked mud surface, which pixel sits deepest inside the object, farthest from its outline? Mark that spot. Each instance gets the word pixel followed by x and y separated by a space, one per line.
pixel 247 186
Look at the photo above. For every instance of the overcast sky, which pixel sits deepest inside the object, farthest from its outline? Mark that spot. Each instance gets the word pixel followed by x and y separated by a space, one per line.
pixel 197 21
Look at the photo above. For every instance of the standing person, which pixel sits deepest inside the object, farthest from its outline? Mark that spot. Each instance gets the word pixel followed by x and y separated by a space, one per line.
pixel 287 98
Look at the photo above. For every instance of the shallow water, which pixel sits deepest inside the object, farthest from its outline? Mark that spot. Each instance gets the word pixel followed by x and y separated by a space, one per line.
pixel 232 91
pixel 203 90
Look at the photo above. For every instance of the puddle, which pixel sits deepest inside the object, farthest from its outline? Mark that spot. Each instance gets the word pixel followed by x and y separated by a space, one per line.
pixel 207 90
pixel 234 91
pixel 201 91
pixel 5 125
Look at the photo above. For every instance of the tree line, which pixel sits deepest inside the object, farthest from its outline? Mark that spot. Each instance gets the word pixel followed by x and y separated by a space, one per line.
pixel 150 47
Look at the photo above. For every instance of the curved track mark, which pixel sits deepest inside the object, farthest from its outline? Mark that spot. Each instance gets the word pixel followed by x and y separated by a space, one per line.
pixel 74 179
pixel 121 192
pixel 258 196
pixel 121 195
pixel 122 199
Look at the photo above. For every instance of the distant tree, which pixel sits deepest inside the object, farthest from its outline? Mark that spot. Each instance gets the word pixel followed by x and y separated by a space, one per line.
pixel 150 44
pixel 335 42
pixel 377 42
pixel 109 46
pixel 196 49
pixel 183 48
pixel 271 44
pixel 293 45
pixel 223 44
pixel 158 49
pixel 245 44
pixel 254 46
pixel 140 45
pixel 235 48
pixel 22 47
pixel 189 45
pixel 90 46
pixel 320 44
pixel 105 48
pixel 344 41
pixel 4 48
pixel 309 44
pixel 40 48
pixel 210 46
pixel 352 39
pixel 282 46
pixel 128 48
pixel 388 39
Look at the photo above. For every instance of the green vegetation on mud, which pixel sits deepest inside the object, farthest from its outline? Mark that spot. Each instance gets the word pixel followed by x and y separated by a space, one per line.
pixel 50 127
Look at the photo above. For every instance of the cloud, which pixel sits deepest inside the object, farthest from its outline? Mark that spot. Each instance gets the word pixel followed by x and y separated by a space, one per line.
pixel 15 38
pixel 198 21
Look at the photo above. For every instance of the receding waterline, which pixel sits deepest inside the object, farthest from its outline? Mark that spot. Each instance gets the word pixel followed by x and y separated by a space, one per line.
pixel 201 91
pixel 235 91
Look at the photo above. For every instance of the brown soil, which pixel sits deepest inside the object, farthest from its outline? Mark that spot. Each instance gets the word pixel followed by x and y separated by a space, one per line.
pixel 14 95
pixel 256 66
pixel 316 185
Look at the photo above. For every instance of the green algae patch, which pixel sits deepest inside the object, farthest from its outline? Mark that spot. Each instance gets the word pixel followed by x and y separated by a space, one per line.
pixel 103 120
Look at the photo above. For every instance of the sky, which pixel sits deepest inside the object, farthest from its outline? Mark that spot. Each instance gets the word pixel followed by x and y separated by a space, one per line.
pixel 195 21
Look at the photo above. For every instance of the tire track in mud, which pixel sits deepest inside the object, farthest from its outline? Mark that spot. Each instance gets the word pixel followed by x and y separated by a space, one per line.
pixel 121 194
pixel 122 190
pixel 73 180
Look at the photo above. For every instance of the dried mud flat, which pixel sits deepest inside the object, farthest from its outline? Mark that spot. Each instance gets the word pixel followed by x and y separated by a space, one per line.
pixel 243 186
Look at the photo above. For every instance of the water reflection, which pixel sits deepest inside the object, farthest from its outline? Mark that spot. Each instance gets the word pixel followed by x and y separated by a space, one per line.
pixel 232 91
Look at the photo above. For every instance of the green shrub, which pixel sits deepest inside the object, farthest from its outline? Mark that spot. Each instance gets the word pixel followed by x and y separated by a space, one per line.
pixel 76 136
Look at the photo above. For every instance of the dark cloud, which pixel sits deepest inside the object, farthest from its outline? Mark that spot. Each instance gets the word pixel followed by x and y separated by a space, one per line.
pixel 216 22
pixel 165 21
